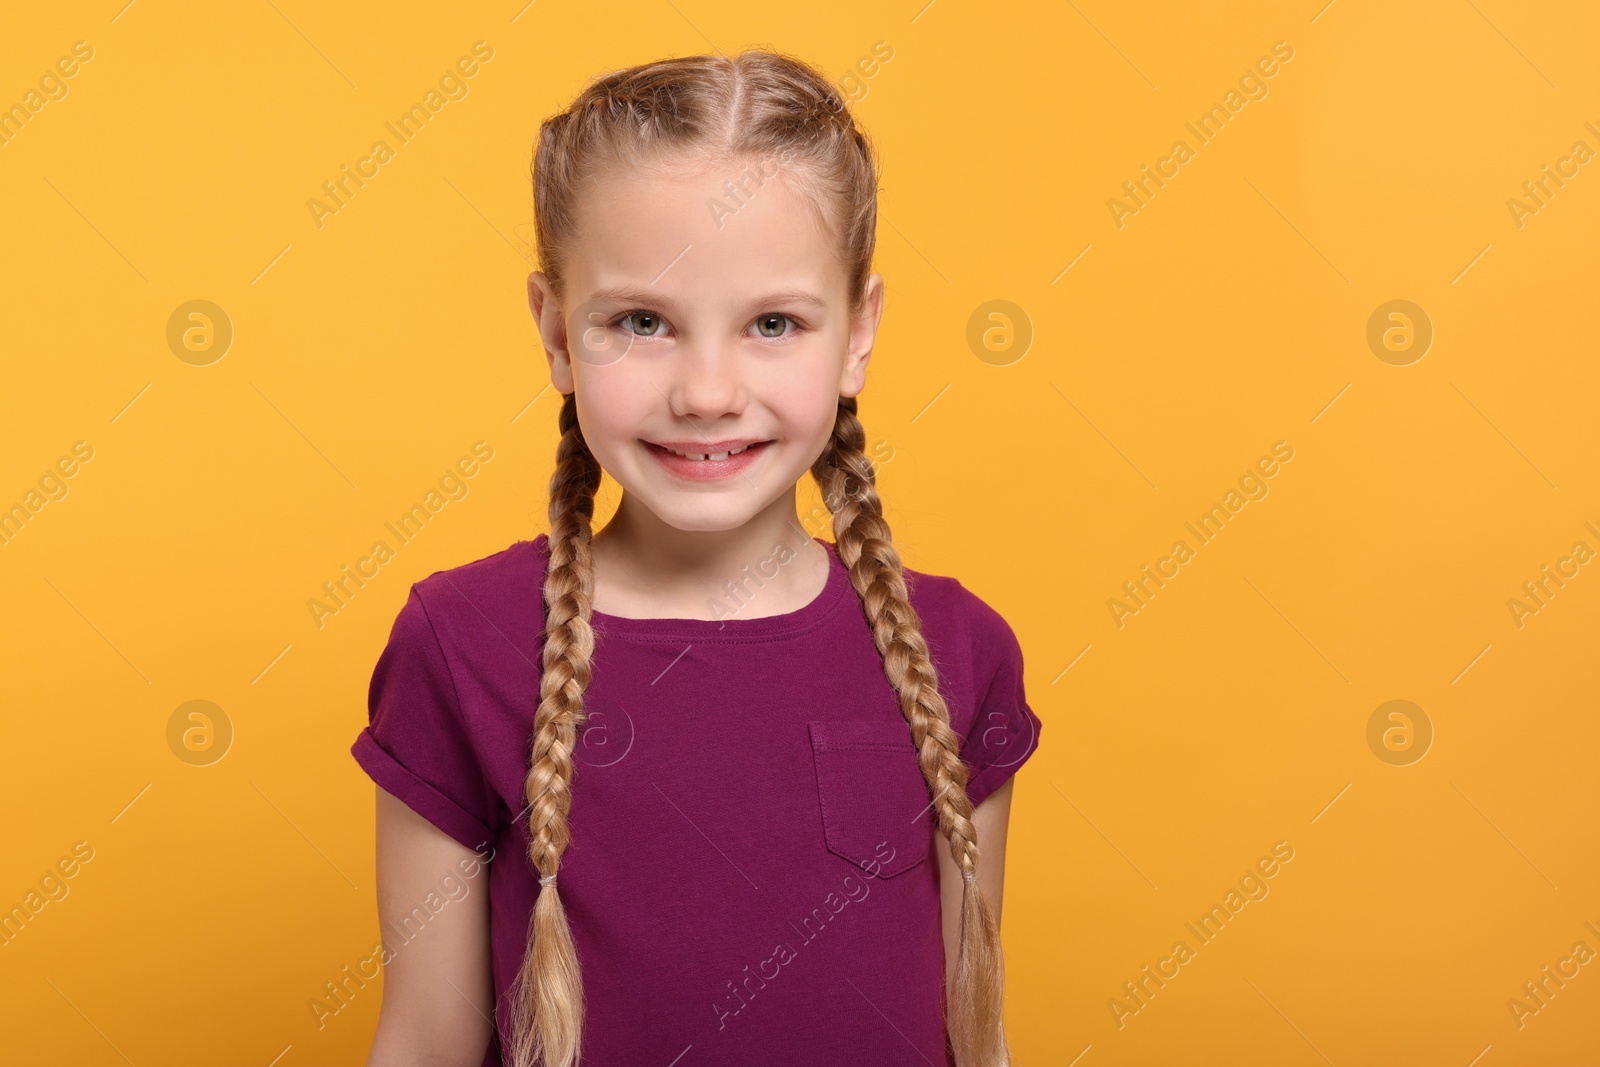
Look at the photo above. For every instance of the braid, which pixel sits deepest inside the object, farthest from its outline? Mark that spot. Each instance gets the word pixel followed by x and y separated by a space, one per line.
pixel 849 490
pixel 754 106
pixel 548 1004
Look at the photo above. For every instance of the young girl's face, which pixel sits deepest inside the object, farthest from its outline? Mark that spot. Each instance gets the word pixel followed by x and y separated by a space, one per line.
pixel 703 319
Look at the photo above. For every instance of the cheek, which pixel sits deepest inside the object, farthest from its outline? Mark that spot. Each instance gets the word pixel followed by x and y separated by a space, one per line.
pixel 807 407
pixel 610 413
pixel 804 391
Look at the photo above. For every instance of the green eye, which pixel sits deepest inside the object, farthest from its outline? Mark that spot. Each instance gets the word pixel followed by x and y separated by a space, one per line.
pixel 650 320
pixel 776 321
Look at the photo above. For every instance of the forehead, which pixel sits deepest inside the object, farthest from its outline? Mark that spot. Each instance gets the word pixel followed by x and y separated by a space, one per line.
pixel 707 234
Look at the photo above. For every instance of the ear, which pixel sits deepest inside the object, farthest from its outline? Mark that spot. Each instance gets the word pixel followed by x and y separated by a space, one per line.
pixel 863 332
pixel 552 330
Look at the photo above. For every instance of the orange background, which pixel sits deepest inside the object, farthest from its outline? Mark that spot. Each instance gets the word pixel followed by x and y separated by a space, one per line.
pixel 1229 313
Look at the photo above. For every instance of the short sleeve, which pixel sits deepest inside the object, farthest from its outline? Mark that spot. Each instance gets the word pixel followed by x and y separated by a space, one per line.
pixel 416 745
pixel 1004 731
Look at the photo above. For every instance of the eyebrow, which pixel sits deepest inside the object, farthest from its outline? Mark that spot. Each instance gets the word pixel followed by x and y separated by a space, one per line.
pixel 630 295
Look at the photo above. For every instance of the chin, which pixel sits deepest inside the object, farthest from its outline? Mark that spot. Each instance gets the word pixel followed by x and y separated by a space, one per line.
pixel 703 512
pixel 690 520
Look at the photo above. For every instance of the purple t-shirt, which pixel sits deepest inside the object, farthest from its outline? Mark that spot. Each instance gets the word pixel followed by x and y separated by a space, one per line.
pixel 751 876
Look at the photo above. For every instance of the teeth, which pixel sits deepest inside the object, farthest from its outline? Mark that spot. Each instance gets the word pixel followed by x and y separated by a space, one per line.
pixel 708 455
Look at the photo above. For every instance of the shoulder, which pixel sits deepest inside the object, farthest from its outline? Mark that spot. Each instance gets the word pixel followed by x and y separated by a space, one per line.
pixel 491 586
pixel 482 616
pixel 967 636
pixel 979 663
pixel 945 604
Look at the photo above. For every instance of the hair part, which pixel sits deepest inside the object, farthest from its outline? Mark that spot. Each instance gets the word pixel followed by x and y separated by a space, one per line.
pixel 756 105
pixel 705 111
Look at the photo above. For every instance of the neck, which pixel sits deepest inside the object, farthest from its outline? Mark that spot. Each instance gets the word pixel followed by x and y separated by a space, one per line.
pixel 646 568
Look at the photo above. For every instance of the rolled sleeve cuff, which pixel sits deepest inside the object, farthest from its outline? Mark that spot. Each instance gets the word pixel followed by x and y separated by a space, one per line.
pixel 419 795
pixel 990 776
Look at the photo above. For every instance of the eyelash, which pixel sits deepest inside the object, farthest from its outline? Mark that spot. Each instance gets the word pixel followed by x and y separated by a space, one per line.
pixel 797 326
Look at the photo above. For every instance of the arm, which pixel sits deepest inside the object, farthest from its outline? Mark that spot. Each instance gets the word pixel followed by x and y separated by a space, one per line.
pixel 424 1021
pixel 990 818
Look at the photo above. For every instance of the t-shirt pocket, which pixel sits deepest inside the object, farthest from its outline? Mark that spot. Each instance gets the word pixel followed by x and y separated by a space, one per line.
pixel 875 805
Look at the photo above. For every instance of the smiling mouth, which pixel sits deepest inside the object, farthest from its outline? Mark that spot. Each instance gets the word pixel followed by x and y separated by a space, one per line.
pixel 708 456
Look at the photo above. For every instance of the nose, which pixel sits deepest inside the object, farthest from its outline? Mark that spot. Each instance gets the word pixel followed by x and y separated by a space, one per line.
pixel 706 380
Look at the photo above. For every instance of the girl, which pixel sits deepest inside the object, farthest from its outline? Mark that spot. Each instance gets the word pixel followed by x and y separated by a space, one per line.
pixel 762 764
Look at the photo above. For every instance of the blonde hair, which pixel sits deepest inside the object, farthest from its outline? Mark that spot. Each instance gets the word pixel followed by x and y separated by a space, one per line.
pixel 762 105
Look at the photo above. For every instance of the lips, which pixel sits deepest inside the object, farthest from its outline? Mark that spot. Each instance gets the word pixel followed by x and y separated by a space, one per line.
pixel 708 449
pixel 718 454
pixel 720 459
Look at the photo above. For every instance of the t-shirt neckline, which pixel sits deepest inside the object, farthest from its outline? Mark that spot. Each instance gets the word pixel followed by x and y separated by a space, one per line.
pixel 732 628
